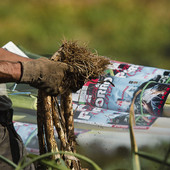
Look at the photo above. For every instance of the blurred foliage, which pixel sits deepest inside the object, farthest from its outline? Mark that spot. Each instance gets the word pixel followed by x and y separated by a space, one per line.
pixel 132 31
pixel 120 158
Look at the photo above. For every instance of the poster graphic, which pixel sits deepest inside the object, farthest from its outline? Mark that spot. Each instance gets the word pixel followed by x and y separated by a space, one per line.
pixel 106 100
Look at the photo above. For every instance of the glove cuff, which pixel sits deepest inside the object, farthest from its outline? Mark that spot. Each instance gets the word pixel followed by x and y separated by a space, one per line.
pixel 29 71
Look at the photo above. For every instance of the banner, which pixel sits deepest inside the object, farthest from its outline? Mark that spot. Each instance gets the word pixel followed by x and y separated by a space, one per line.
pixel 106 101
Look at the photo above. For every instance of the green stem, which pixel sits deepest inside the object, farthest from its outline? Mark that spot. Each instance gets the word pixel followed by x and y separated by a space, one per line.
pixel 167 81
pixel 152 158
pixel 8 161
pixel 60 152
pixel 134 147
pixel 141 108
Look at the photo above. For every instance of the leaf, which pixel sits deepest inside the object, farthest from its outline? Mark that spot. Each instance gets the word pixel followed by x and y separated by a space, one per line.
pixel 60 165
pixel 152 158
pixel 8 161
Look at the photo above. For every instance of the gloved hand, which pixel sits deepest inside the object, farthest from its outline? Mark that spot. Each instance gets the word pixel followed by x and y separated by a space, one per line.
pixel 51 76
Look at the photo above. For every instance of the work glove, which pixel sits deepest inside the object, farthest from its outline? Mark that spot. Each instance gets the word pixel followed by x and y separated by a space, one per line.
pixel 52 77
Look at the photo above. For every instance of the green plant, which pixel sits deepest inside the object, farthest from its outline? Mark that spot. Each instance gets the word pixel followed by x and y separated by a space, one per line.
pixel 46 162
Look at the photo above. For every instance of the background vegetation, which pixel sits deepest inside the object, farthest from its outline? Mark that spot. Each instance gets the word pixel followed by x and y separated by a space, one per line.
pixel 132 31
